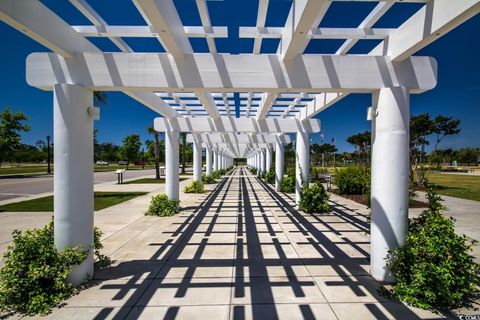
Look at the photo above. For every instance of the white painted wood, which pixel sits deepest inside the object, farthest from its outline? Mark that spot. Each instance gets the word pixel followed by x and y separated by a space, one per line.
pixel 163 16
pixel 304 15
pixel 159 72
pixel 428 24
pixel 208 160
pixel 279 164
pixel 350 33
pixel 317 33
pixel 390 172
pixel 242 125
pixel 240 138
pixel 73 179
pixel 36 21
pixel 302 163
pixel 261 18
pixel 197 159
pixel 267 101
pixel 171 165
pixel 148 32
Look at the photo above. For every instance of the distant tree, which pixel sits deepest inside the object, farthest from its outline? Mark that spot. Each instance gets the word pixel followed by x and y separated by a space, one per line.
pixel 156 149
pixel 109 151
pixel 468 156
pixel 131 148
pixel 362 143
pixel 11 126
pixel 319 152
pixel 422 127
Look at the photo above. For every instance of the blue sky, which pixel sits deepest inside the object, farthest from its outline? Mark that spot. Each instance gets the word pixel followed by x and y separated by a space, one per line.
pixel 457 93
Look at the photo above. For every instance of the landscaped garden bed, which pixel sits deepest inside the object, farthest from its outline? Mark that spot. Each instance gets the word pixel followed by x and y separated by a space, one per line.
pixel 102 200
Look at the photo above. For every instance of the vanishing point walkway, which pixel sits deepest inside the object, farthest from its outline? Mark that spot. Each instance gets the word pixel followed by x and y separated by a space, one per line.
pixel 241 251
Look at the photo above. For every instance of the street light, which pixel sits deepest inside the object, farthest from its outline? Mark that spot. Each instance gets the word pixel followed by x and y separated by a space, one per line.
pixel 48 155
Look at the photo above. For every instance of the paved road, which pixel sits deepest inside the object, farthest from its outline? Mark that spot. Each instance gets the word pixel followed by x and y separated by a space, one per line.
pixel 17 187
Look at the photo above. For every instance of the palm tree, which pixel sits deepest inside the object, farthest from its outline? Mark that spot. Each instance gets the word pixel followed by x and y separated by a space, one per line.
pixel 156 148
pixel 100 98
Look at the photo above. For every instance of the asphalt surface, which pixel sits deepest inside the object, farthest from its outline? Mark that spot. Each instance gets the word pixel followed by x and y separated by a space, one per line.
pixel 35 184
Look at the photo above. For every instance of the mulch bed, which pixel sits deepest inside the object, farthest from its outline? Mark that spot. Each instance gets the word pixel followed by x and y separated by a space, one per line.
pixel 363 199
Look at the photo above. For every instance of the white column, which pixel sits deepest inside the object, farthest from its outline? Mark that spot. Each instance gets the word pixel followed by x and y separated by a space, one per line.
pixel 262 160
pixel 302 169
pixel 171 165
pixel 208 160
pixel 219 160
pixel 73 179
pixel 258 163
pixel 197 159
pixel 278 165
pixel 389 190
pixel 215 160
pixel 268 165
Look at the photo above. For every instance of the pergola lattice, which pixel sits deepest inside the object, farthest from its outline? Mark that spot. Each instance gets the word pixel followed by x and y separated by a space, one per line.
pixel 235 105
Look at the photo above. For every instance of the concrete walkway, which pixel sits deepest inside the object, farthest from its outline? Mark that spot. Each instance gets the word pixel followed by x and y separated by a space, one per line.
pixel 239 252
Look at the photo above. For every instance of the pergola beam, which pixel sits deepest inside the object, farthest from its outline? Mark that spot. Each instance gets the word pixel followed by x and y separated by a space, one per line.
pixel 236 125
pixel 304 15
pixel 245 73
pixel 163 17
pixel 432 21
pixel 55 34
pixel 317 33
pixel 235 138
pixel 148 32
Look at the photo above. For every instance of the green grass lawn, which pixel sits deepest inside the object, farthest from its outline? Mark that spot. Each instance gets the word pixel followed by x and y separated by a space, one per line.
pixel 460 186
pixel 24 170
pixel 150 180
pixel 102 200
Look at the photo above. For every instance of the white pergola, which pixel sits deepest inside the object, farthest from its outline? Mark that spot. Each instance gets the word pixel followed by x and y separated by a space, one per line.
pixel 193 92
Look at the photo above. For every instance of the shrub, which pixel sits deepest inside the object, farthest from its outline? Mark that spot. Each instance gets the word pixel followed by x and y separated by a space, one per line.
pixel 287 184
pixel 253 171
pixel 33 279
pixel 208 179
pixel 433 267
pixel 217 174
pixel 314 198
pixel 269 176
pixel 162 206
pixel 353 180
pixel 196 186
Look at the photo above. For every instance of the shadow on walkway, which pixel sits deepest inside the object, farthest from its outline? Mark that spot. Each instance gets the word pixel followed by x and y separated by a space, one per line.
pixel 246 252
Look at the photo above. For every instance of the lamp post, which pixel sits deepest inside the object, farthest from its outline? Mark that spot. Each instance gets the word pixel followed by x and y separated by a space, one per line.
pixel 49 170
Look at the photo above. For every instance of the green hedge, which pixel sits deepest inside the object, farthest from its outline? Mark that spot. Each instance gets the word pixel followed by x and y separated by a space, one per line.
pixel 353 180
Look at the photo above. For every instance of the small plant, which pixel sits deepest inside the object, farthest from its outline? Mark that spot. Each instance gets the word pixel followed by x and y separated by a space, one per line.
pixel 287 184
pixel 314 199
pixel 253 171
pixel 269 176
pixel 33 279
pixel 196 186
pixel 208 179
pixel 217 174
pixel 162 206
pixel 353 180
pixel 434 268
